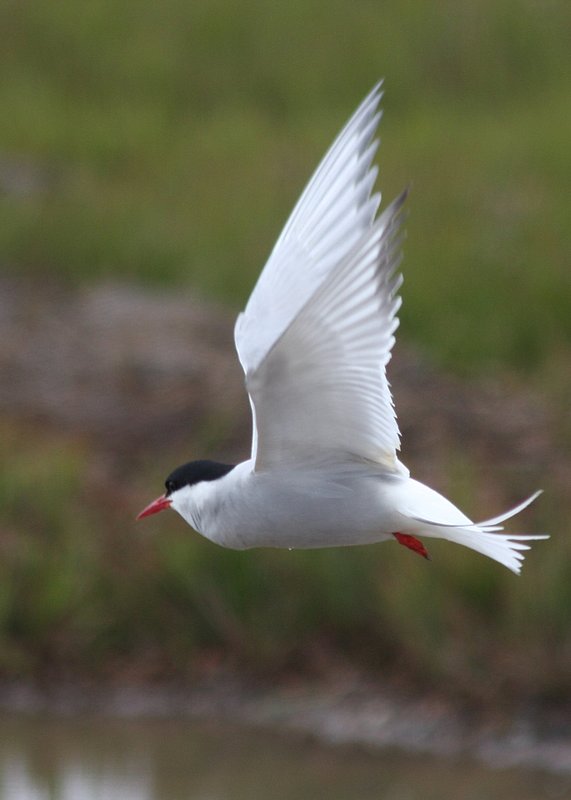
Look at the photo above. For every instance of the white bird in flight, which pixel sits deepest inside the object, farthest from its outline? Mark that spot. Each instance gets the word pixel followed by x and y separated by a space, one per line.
pixel 314 341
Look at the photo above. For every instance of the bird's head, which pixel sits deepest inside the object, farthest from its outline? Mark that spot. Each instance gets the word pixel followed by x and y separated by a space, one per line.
pixel 180 482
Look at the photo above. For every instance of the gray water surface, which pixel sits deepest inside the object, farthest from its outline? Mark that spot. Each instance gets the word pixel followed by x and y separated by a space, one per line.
pixel 97 758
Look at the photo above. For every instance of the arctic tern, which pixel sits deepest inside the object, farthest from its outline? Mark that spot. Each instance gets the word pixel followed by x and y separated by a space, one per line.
pixel 314 341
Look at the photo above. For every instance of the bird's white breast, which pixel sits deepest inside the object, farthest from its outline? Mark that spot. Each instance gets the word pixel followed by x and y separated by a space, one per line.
pixel 297 508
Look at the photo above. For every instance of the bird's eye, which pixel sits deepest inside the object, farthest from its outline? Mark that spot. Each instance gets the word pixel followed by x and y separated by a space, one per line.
pixel 170 487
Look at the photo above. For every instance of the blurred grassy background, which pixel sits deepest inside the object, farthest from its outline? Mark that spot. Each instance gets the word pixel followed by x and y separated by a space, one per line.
pixel 169 142
pixel 165 144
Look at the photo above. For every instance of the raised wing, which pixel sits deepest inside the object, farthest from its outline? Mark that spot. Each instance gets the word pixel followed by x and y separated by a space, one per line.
pixel 318 329
pixel 334 210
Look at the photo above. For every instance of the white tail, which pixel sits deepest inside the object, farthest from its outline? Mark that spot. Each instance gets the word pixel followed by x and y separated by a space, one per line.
pixel 484 537
pixel 506 548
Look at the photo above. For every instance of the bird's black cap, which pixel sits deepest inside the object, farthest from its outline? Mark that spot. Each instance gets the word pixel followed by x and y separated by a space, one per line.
pixel 195 472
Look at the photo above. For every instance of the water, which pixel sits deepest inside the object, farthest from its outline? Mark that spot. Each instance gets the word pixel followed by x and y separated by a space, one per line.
pixel 94 758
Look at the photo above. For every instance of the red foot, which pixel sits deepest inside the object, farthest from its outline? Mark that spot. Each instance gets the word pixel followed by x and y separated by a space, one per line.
pixel 413 544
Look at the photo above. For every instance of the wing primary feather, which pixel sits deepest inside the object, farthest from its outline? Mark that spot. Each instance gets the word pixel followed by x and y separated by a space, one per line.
pixel 319 326
pixel 351 129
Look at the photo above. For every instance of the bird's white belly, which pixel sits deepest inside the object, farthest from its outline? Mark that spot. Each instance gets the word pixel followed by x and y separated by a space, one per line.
pixel 303 511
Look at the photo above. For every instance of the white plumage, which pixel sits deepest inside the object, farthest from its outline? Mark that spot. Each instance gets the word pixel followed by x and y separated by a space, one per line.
pixel 314 341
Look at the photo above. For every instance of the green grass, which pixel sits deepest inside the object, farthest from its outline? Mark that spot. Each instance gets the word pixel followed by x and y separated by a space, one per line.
pixel 85 591
pixel 165 144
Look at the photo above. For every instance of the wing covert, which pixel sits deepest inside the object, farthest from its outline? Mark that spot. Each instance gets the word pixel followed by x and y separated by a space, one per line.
pixel 322 394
